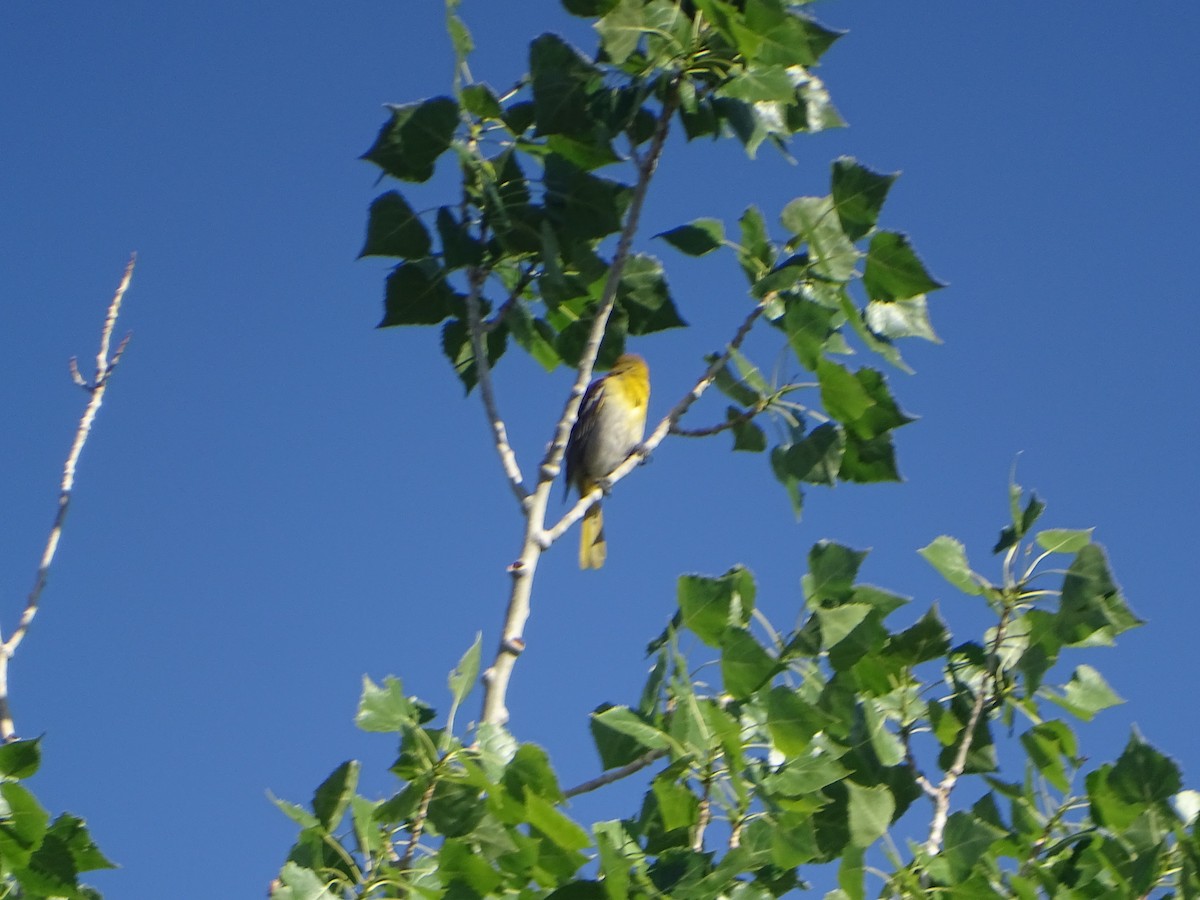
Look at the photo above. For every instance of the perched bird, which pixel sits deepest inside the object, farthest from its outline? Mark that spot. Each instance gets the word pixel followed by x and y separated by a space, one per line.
pixel 612 420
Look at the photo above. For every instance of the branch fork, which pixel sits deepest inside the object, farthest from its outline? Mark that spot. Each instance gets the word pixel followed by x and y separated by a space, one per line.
pixel 105 365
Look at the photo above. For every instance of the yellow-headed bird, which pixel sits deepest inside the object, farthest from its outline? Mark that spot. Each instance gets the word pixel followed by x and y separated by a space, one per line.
pixel 611 423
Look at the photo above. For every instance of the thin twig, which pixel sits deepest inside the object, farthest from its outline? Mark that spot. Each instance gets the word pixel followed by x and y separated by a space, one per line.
pixel 703 813
pixel 104 369
pixel 911 761
pixel 483 371
pixel 512 641
pixel 741 418
pixel 514 296
pixel 941 795
pixel 616 774
pixel 418 826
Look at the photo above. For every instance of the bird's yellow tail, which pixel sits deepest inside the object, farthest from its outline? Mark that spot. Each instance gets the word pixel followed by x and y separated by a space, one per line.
pixel 592 549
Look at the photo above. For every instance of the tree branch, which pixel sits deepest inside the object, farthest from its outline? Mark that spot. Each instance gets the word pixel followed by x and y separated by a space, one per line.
pixel 616 774
pixel 508 459
pixel 941 794
pixel 96 388
pixel 418 826
pixel 512 640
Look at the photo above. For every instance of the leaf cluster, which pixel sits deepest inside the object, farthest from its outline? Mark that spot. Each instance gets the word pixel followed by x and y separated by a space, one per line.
pixel 40 858
pixel 806 750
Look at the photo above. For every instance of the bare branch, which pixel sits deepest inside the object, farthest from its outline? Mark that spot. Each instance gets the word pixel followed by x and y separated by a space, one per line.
pixel 941 794
pixel 514 295
pixel 741 418
pixel 96 389
pixel 508 459
pixel 616 774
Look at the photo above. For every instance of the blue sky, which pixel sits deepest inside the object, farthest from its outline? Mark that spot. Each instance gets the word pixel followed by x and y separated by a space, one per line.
pixel 279 498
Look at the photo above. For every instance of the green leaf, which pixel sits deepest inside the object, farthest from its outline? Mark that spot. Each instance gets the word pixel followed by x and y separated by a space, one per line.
pixel 697 238
pixel 893 270
pixel 459 248
pixel 621 29
pixel 927 639
pixel 837 622
pixel 333 795
pixel 456 345
pixel 966 840
pixel 898 319
pixel 621 736
pixel 296 813
pixel 870 813
pixel 869 460
pixel 1092 610
pixel 1144 776
pixel 710 604
pixel 459 864
pixel 756 253
pixel 393 229
pixel 564 832
pixel 563 82
pixel 832 569
pixel 858 195
pixel 385 708
pixel 759 84
pixel 747 436
pixel 782 37
pixel 588 9
pixel 462 678
pixel 615 848
pixel 414 137
pixel 579 890
pixel 843 395
pixel 791 721
pixel 416 293
pixel 581 205
pixel 1086 694
pixel 587 155
pixel 20 759
pixel 22 823
pixel 818 457
pixel 534 335
pixel 1051 746
pixel 299 883
pixel 887 746
pixel 677 806
pixel 456 809
pixel 805 776
pixel 790 482
pixel 808 327
pixel 949 557
pixel 50 870
pixel 814 221
pixel 478 100
pixel 1064 540
pixel 850 876
pixel 745 663
pixel 460 37
pixel 73 834
pixel 643 295
pixel 530 771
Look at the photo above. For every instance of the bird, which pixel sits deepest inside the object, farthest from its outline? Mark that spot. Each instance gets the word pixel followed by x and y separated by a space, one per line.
pixel 610 426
